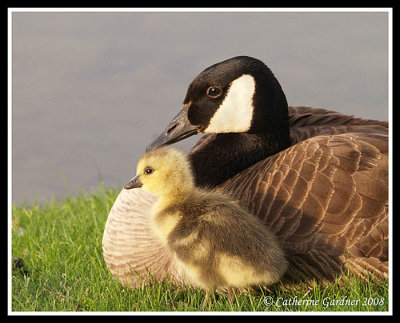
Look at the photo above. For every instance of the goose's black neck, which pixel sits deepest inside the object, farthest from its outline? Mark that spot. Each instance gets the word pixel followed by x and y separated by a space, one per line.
pixel 228 154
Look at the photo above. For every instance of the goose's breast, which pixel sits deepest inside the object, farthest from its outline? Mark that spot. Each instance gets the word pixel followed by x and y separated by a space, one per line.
pixel 129 248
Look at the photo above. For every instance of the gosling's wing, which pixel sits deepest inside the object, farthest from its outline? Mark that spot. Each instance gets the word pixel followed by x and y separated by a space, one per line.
pixel 326 194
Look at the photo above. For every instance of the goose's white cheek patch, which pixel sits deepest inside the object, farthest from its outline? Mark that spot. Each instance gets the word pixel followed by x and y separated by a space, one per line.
pixel 236 111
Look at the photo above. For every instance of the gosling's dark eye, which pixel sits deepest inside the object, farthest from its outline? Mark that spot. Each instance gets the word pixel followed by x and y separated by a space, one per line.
pixel 148 170
pixel 214 92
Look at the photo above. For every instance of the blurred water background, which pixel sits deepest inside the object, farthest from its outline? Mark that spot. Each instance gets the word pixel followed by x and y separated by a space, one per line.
pixel 91 89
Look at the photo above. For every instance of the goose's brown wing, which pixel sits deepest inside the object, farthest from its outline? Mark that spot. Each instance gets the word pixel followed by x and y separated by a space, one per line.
pixel 307 122
pixel 325 197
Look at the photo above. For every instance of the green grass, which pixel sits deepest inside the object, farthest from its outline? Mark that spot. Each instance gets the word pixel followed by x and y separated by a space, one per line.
pixel 60 243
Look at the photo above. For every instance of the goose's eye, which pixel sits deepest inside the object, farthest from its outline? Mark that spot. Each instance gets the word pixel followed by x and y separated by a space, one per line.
pixel 214 92
pixel 148 171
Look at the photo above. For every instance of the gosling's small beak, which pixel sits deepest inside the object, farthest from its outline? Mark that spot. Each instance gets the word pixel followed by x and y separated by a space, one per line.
pixel 178 129
pixel 134 183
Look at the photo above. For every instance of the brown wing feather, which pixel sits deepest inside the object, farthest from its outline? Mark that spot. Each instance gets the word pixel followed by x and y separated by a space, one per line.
pixel 326 194
pixel 307 122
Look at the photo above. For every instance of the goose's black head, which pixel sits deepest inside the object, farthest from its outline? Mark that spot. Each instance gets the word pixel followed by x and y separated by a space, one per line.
pixel 238 95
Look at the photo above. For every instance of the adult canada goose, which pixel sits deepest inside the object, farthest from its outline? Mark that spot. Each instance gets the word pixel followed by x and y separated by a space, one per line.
pixel 317 178
pixel 214 241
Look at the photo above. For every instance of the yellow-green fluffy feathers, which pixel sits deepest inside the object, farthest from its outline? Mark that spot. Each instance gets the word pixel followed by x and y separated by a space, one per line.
pixel 215 242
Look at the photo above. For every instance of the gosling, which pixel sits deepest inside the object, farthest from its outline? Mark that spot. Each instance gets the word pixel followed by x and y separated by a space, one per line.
pixel 214 241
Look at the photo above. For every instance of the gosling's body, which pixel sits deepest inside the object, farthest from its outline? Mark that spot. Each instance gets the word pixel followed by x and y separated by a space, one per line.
pixel 216 242
pixel 213 241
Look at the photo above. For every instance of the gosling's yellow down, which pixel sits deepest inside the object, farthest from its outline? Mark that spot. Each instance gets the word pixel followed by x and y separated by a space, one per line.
pixel 214 241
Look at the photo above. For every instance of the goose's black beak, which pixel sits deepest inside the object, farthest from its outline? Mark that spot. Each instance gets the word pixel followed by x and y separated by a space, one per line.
pixel 134 183
pixel 178 129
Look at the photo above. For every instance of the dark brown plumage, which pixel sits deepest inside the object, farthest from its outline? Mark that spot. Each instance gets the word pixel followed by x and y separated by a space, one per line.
pixel 326 196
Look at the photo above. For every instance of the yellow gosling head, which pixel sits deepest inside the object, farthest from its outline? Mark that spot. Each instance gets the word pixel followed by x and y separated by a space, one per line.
pixel 163 171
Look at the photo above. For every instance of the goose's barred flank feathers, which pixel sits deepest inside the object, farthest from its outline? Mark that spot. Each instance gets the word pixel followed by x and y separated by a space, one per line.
pixel 314 196
pixel 321 187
